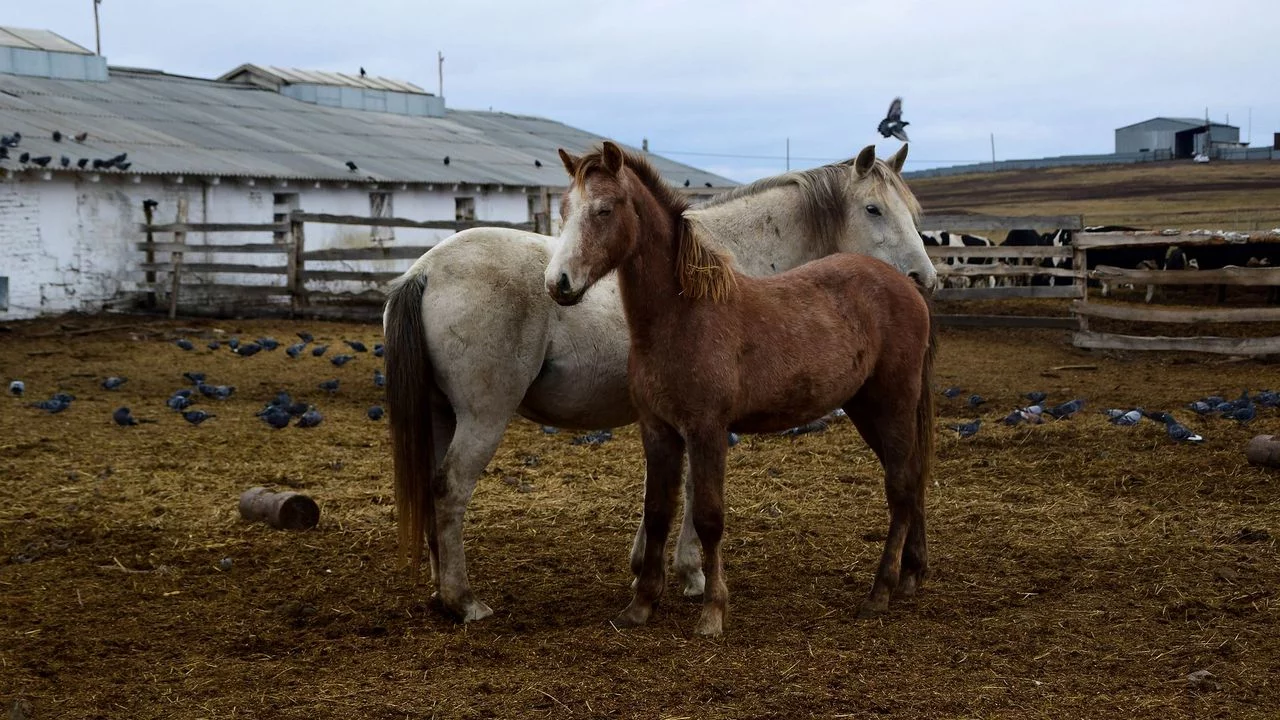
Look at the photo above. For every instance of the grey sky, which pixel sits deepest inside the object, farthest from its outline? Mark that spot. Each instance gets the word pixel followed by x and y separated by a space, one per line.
pixel 738 78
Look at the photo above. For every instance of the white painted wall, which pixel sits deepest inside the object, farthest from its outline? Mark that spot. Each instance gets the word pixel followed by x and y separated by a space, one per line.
pixel 69 244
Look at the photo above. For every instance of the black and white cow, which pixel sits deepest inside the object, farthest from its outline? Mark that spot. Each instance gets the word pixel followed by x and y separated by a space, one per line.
pixel 949 239
pixel 1030 238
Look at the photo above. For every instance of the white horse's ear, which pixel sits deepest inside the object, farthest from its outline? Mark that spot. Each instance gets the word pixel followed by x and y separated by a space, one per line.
pixel 865 160
pixel 612 157
pixel 570 162
pixel 898 159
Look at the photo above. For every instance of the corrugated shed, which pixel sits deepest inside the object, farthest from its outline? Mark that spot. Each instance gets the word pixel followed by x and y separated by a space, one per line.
pixel 174 125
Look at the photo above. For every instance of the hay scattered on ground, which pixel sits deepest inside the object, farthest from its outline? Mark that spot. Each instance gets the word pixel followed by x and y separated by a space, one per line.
pixel 1079 569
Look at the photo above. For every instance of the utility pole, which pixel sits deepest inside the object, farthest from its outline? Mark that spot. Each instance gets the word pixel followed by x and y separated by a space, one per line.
pixel 993 152
pixel 97 31
pixel 440 72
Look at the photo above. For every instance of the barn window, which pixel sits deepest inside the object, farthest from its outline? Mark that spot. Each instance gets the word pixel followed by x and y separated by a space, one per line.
pixel 380 207
pixel 4 293
pixel 464 209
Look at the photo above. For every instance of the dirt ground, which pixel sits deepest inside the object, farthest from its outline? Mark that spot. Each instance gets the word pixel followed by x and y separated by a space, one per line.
pixel 1079 569
pixel 1180 194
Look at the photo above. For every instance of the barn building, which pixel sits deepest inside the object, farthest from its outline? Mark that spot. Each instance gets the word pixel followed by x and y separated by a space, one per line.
pixel 1175 137
pixel 248 147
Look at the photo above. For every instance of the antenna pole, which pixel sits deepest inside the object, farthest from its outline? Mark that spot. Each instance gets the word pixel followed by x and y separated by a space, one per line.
pixel 97 31
pixel 440 71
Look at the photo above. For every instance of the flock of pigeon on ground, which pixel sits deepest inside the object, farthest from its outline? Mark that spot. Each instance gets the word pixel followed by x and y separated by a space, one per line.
pixel 9 145
pixel 1243 410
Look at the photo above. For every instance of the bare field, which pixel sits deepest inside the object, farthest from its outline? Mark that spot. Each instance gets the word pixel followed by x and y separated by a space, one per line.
pixel 1182 194
pixel 1079 569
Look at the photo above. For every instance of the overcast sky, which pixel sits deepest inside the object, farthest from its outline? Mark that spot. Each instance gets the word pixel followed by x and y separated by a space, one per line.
pixel 722 85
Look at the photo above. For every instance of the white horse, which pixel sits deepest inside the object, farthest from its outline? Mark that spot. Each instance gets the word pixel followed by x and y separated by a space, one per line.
pixel 472 338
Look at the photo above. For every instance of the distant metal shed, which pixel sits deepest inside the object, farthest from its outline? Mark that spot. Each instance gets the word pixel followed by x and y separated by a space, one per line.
pixel 1182 137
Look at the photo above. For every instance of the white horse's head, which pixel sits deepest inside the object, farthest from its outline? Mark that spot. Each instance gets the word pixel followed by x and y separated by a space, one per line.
pixel 881 214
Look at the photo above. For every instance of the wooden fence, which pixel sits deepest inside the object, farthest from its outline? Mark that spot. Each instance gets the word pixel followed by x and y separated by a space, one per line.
pixel 1007 262
pixel 1084 308
pixel 288 261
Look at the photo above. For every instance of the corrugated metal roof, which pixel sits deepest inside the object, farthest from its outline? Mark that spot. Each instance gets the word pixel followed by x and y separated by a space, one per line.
pixel 29 39
pixel 184 126
pixel 318 77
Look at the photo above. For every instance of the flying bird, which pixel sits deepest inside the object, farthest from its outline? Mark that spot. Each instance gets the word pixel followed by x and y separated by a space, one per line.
pixel 892 125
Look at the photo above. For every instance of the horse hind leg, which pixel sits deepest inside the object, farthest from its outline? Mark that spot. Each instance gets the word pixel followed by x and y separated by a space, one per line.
pixel 886 421
pixel 708 449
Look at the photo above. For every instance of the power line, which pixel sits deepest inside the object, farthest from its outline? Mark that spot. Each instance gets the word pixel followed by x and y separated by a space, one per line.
pixel 744 156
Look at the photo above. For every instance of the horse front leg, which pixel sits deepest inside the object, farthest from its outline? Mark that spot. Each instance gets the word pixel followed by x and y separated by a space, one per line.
pixel 687 559
pixel 707 452
pixel 663 453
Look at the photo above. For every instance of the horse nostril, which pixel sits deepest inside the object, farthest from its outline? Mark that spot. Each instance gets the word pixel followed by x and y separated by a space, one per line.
pixel 562 286
pixel 915 275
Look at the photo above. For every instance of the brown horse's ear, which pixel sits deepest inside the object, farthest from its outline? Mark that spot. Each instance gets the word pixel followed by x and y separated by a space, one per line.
pixel 612 157
pixel 865 160
pixel 898 159
pixel 570 162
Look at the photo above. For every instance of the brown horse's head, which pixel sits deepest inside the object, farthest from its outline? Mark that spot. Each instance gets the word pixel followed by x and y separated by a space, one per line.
pixel 599 227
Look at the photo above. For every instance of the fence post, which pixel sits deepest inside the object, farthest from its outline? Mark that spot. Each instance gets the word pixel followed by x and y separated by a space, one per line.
pixel 150 256
pixel 296 264
pixel 546 208
pixel 179 237
pixel 1080 262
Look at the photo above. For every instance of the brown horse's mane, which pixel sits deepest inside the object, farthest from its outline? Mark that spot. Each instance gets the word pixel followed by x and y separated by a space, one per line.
pixel 823 200
pixel 704 271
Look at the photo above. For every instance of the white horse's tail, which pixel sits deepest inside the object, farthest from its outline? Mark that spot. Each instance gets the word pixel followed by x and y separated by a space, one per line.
pixel 411 390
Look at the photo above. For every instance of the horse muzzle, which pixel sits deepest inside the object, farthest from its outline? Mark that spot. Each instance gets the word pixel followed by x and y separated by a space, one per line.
pixel 562 291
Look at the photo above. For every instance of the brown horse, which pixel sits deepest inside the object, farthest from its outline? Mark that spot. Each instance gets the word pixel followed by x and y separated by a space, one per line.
pixel 714 350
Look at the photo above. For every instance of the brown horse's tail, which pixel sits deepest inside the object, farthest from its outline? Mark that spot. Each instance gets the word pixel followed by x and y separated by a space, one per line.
pixel 925 433
pixel 410 391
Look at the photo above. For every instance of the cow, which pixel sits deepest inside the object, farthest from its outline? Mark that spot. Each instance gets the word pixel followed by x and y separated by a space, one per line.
pixel 1024 237
pixel 950 239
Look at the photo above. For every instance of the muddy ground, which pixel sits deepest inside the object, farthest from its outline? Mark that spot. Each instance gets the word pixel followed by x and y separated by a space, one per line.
pixel 1080 569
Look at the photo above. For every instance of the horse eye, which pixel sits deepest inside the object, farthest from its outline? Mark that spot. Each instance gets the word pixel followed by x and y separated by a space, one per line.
pixel 872 209
pixel 604 211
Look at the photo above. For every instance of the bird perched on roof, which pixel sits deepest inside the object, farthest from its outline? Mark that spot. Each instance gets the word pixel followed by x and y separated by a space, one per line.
pixel 24 157
pixel 352 166
pixel 124 166
pixel 81 136
pixel 42 161
pixel 362 72
pixel 65 161
pixel 57 136
pixel 967 429
pixel 446 159
pixel 707 184
pixel 892 125
pixel 82 162
pixel 537 163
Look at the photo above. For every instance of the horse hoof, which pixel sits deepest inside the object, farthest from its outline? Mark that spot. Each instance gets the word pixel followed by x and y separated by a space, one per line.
pixel 633 616
pixel 872 609
pixel 695 584
pixel 907 586
pixel 475 610
pixel 466 611
pixel 710 623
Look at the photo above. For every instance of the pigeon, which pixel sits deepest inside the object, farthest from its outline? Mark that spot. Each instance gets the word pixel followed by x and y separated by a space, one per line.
pixel 123 417
pixel 184 392
pixel 99 163
pixel 268 343
pixel 309 419
pixel 82 162
pixel 1113 413
pixel 352 166
pixel 595 437
pixel 1267 398
pixel 707 184
pixel 377 352
pixel 329 385
pixel 248 349
pixel 967 429
pixel 281 399
pixel 4 152
pixel 537 163
pixel 195 417
pixel 1066 409
pixel 298 409
pixel 952 392
pixel 8 142
pixel 81 137
pixel 214 344
pixel 550 430
pixel 341 360
pixel 113 383
pixel 734 438
pixel 362 72
pixel 1013 418
pixel 57 136
pixel 1127 419
pixel 356 345
pixel 686 182
pixel 1242 415
pixel 306 337
pixel 295 350
pixel 42 161
pixel 276 416
pixel 375 413
pixel 1033 414
pixel 379 379
pixel 17 387
pixel 220 392
pixel 53 405
pixel 1200 407
pixel 812 427
pixel 976 400
pixel 233 343
pixel 196 378
pixel 1177 431
pixel 892 125
pixel 118 159
pixel 185 344
pixel 319 350
pixel 446 159
pixel 24 157
pixel 64 161
pixel 179 402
